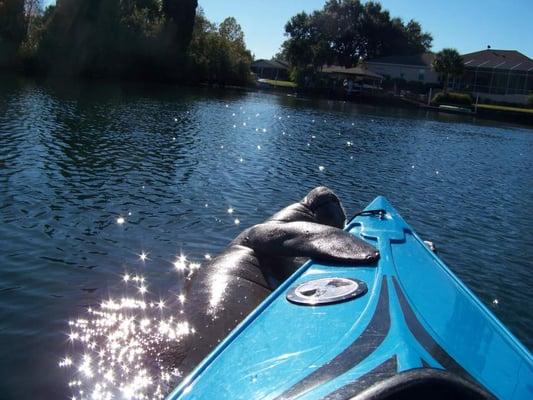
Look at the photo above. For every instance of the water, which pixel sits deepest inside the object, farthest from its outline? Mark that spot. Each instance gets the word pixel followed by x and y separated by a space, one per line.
pixel 94 176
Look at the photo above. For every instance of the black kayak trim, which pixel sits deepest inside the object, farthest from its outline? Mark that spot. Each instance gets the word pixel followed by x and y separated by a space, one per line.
pixel 372 336
pixel 361 348
pixel 425 339
pixel 382 372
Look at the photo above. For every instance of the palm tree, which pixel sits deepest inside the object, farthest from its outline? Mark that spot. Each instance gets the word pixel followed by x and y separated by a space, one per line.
pixel 448 62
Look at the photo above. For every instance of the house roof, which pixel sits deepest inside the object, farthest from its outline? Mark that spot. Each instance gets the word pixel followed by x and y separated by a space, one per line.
pixel 275 64
pixel 423 59
pixel 336 69
pixel 498 59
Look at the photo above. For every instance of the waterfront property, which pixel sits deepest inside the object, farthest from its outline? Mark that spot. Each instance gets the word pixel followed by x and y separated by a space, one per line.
pixel 270 69
pixel 356 79
pixel 417 68
pixel 497 75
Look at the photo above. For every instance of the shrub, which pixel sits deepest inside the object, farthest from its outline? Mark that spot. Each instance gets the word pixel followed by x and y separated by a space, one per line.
pixel 459 99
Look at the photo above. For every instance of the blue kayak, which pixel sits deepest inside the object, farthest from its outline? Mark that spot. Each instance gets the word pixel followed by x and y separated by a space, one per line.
pixel 403 328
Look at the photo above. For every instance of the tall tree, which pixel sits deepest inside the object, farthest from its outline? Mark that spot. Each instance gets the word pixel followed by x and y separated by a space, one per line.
pixel 118 37
pixel 180 15
pixel 231 30
pixel 12 29
pixel 346 31
pixel 219 55
pixel 298 46
pixel 417 40
pixel 32 10
pixel 82 37
pixel 448 63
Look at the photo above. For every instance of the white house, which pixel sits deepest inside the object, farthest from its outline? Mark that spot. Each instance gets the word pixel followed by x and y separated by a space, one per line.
pixel 411 68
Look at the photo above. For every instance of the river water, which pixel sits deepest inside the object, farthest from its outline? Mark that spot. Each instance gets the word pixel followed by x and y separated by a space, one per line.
pixel 94 175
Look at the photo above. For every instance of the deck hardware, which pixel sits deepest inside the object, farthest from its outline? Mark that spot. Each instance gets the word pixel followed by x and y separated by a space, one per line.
pixel 326 291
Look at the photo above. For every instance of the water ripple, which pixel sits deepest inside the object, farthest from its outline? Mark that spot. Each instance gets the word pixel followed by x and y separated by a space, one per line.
pixel 171 162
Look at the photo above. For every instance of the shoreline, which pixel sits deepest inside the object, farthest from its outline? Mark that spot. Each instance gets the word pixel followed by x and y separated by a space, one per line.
pixel 486 112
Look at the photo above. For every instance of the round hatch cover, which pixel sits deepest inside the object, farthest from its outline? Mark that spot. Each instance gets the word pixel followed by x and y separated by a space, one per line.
pixel 326 291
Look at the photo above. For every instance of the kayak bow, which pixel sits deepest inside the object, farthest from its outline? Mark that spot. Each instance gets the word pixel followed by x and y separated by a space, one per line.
pixel 406 326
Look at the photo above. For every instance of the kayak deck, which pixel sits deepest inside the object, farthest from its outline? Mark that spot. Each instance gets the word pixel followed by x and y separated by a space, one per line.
pixel 415 314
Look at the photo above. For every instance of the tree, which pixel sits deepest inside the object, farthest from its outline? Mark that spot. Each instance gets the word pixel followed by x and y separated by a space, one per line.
pixel 448 62
pixel 126 38
pixel 298 46
pixel 12 29
pixel 219 54
pixel 154 39
pixel 232 31
pixel 32 10
pixel 180 21
pixel 346 31
pixel 418 41
pixel 82 38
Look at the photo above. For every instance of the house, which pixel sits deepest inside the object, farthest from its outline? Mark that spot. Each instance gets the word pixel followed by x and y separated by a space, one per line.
pixel 416 68
pixel 355 78
pixel 270 69
pixel 497 75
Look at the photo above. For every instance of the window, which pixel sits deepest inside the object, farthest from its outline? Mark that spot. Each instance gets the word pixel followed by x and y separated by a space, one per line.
pixel 421 75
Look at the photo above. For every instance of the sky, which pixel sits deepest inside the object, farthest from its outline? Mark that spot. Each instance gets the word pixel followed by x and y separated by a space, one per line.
pixel 467 25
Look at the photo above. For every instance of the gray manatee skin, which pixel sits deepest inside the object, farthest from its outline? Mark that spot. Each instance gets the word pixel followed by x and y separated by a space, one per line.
pixel 223 292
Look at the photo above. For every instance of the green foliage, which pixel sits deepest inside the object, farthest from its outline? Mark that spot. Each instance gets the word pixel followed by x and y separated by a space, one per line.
pixel 125 38
pixel 230 30
pixel 451 98
pixel 417 41
pixel 218 54
pixel 180 17
pixel 346 31
pixel 153 39
pixel 448 62
pixel 81 38
pixel 12 29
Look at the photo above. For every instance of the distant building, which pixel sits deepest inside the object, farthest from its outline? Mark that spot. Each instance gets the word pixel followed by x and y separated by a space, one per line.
pixel 354 79
pixel 498 75
pixel 417 68
pixel 270 69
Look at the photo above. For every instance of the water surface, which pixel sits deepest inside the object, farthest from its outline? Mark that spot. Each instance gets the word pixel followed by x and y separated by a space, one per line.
pixel 172 161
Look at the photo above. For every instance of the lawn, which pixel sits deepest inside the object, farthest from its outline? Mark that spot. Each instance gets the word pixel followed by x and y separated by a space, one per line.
pixel 272 82
pixel 505 108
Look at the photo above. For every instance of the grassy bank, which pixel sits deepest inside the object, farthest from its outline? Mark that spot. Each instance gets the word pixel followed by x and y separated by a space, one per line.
pixel 505 108
pixel 506 113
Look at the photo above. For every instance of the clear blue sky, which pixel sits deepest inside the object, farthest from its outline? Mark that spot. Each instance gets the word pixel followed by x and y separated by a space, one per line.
pixel 467 25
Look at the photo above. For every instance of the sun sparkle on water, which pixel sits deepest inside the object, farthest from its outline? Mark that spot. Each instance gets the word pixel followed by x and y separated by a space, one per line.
pixel 118 348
